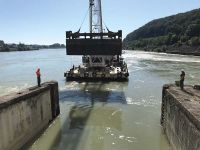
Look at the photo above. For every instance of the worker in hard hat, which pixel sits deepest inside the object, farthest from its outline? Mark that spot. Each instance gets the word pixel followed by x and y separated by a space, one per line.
pixel 38 77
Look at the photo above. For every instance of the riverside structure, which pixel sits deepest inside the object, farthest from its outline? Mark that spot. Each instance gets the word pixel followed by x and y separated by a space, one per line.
pixel 24 115
pixel 180 116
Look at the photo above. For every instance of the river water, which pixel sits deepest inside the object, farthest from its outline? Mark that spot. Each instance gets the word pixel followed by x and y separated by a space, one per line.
pixel 99 115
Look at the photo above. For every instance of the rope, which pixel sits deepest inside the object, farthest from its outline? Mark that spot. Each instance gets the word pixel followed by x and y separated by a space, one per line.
pixel 105 26
pixel 84 18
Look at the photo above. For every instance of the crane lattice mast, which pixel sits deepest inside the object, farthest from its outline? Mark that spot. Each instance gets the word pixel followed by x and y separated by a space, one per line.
pixel 95 16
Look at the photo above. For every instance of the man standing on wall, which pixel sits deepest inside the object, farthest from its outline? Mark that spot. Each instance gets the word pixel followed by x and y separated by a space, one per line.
pixel 182 78
pixel 38 77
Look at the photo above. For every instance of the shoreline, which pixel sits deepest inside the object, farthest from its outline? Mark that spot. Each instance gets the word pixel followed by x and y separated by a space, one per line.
pixel 172 50
pixel 139 49
pixel 31 50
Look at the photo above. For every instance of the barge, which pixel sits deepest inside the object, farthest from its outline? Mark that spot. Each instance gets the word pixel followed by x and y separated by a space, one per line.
pixel 101 51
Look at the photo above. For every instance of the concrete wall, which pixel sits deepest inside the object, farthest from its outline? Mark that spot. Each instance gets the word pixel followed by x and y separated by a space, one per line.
pixel 24 115
pixel 181 117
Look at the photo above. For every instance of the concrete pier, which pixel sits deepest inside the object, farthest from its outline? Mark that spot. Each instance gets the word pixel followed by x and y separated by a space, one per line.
pixel 180 117
pixel 25 114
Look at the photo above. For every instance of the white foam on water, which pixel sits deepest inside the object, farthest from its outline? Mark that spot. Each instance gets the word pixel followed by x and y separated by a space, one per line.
pixel 162 57
pixel 111 89
pixel 62 88
pixel 141 55
pixel 143 102
pixel 120 137
pixel 192 76
pixel 71 86
pixel 129 100
pixel 4 90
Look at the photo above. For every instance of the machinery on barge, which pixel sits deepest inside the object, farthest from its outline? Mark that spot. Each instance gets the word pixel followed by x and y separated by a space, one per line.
pixel 101 51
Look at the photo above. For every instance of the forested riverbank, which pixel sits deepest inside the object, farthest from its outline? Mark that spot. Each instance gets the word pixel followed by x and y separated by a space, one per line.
pixel 4 47
pixel 179 34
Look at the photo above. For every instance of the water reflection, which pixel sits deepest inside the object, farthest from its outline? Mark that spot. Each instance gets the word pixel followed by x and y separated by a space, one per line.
pixel 98 116
pixel 92 92
pixel 90 118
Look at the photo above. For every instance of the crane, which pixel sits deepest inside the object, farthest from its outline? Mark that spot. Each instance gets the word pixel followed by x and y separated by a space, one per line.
pixel 101 51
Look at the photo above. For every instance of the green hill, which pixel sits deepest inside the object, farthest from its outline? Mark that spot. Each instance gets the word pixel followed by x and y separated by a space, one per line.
pixel 174 34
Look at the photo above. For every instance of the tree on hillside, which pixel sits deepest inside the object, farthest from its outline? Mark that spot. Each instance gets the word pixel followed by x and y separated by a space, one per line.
pixel 193 30
pixel 3 46
pixel 21 47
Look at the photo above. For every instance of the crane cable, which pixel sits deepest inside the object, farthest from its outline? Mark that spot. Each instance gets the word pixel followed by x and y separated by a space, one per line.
pixel 106 26
pixel 84 18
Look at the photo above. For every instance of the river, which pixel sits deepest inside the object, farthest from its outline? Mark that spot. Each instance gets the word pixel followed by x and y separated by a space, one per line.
pixel 99 115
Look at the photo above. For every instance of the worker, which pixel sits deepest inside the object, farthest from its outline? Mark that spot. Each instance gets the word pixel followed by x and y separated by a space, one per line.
pixel 38 77
pixel 182 78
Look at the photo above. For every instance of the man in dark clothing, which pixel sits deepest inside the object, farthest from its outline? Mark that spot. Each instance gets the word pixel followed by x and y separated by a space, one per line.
pixel 38 77
pixel 182 78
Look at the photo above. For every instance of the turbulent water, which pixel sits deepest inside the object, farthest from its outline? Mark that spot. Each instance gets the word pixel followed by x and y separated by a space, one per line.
pixel 101 115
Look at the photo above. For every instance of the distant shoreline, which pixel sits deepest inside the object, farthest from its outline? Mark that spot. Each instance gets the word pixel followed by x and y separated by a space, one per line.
pixel 31 50
pixel 18 50
pixel 4 47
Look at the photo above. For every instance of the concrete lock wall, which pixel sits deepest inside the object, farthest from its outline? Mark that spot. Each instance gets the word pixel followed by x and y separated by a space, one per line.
pixel 181 117
pixel 24 115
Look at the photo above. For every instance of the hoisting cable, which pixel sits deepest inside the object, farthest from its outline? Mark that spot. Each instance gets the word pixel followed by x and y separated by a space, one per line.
pixel 84 19
pixel 106 26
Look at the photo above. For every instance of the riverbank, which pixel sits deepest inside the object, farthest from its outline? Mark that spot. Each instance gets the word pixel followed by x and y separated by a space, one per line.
pixel 176 34
pixel 181 50
pixel 26 50
pixel 184 50
pixel 24 47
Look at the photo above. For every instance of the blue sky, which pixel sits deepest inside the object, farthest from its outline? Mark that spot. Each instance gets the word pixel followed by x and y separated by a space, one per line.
pixel 45 21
